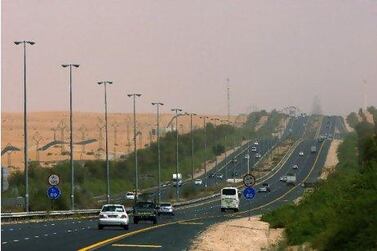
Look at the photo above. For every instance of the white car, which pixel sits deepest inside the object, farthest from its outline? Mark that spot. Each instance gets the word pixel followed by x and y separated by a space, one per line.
pixel 130 195
pixel 301 153
pixel 253 148
pixel 165 208
pixel 198 182
pixel 295 167
pixel 113 215
pixel 256 143
pixel 220 176
pixel 258 155
pixel 283 178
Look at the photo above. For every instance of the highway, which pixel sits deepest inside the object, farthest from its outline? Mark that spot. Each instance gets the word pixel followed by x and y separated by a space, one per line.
pixel 171 233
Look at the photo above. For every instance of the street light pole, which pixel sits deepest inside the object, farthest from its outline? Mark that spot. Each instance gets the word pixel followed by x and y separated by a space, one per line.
pixel 71 134
pixel 192 144
pixel 205 148
pixel 26 160
pixel 134 95
pixel 158 149
pixel 107 142
pixel 176 110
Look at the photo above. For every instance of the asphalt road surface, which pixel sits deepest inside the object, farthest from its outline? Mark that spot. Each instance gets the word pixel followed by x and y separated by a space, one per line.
pixel 173 232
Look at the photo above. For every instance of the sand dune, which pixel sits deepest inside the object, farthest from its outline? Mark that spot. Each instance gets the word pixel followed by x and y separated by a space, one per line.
pixel 43 127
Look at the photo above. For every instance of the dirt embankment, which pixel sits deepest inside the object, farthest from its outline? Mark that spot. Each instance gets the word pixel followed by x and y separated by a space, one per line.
pixel 238 234
pixel 331 159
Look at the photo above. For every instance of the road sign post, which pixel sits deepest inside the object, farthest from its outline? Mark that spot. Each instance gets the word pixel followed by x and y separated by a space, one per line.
pixel 249 194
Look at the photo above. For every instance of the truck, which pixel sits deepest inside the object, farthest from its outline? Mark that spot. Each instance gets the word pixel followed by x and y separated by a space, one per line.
pixel 291 179
pixel 313 149
pixel 177 179
pixel 145 210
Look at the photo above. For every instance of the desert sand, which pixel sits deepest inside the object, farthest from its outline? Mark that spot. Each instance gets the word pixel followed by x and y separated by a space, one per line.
pixel 44 127
pixel 239 234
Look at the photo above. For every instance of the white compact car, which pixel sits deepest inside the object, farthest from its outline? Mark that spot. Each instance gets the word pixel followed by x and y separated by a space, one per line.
pixel 113 215
pixel 130 195
pixel 165 208
pixel 198 182
pixel 258 155
pixel 253 148
pixel 256 143
pixel 283 178
pixel 295 167
pixel 301 153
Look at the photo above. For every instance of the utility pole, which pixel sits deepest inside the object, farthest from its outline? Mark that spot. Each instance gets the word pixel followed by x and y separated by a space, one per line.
pixel 134 95
pixel 158 104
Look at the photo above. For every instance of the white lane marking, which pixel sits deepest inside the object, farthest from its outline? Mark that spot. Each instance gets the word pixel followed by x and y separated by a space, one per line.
pixel 54 233
pixel 4 242
pixel 46 235
pixel 45 225
pixel 11 229
pixel 87 227
pixel 26 238
pixel 15 240
pixel 36 236
pixel 83 228
pixel 76 230
pixel 69 230
pixel 52 224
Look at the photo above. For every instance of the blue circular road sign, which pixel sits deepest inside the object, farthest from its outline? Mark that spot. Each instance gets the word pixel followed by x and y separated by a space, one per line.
pixel 53 192
pixel 249 193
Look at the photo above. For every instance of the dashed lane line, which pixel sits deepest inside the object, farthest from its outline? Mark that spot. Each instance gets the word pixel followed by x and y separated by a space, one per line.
pixel 136 245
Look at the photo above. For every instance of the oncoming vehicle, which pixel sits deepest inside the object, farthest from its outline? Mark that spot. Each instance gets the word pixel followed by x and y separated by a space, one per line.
pixel 283 178
pixel 295 166
pixel 145 210
pixel 265 188
pixel 301 153
pixel 253 148
pixel 230 199
pixel 113 215
pixel 258 155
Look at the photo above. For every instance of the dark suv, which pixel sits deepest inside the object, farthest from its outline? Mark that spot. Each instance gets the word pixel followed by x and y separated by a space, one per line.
pixel 144 210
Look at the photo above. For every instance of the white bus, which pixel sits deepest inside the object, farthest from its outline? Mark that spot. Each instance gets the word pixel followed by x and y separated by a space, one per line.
pixel 230 199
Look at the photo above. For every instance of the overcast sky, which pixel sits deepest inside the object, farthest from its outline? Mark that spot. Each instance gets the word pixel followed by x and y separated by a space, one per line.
pixel 275 53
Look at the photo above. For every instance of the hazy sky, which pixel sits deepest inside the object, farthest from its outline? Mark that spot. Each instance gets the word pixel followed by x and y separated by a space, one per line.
pixel 276 53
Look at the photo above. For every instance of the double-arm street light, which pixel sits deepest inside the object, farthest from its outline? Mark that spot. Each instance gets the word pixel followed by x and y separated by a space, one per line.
pixel 157 104
pixel 26 160
pixel 71 134
pixel 192 144
pixel 105 83
pixel 176 110
pixel 134 95
pixel 205 148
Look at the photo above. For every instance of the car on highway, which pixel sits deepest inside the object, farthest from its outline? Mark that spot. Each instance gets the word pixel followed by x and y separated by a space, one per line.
pixel 283 178
pixel 165 208
pixel 145 210
pixel 301 153
pixel 198 182
pixel 230 199
pixel 220 176
pixel 130 195
pixel 113 215
pixel 256 143
pixel 295 166
pixel 265 188
pixel 253 148
pixel 258 155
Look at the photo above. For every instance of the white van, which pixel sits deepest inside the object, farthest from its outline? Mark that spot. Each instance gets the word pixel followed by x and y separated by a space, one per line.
pixel 230 199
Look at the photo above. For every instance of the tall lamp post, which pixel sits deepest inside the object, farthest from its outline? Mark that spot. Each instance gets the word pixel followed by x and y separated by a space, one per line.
pixel 105 83
pixel 157 104
pixel 176 110
pixel 205 148
pixel 26 160
pixel 71 134
pixel 134 95
pixel 192 144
